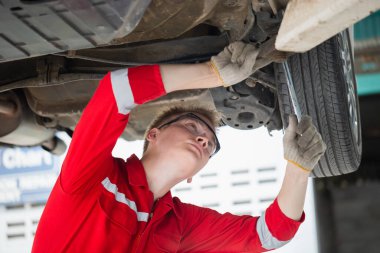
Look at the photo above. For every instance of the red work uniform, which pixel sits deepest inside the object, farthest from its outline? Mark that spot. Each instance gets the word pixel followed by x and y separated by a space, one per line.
pixel 103 204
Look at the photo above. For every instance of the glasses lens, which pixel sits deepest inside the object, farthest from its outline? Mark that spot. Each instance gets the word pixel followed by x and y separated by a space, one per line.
pixel 213 145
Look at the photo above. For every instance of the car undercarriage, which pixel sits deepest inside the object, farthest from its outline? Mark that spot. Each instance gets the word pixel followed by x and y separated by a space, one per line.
pixel 54 53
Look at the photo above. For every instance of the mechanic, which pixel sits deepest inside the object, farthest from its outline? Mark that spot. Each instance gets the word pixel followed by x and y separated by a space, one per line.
pixel 105 204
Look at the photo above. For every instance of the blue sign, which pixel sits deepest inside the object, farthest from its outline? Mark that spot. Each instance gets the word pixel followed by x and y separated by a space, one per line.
pixel 26 174
pixel 21 160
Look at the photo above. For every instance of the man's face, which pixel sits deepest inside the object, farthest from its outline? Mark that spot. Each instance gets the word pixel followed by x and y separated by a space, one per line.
pixel 189 139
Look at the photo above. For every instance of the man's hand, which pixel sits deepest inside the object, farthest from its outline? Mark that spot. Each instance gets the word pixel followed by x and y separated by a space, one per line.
pixel 303 145
pixel 232 65
pixel 235 63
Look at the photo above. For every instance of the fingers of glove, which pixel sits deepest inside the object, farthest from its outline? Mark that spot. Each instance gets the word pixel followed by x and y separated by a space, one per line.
pixel 243 55
pixel 236 49
pixel 316 138
pixel 317 156
pixel 248 59
pixel 226 54
pixel 317 149
pixel 304 124
pixel 290 131
pixel 306 138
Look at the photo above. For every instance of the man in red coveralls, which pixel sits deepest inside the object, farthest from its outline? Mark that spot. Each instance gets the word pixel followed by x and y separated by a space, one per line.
pixel 105 204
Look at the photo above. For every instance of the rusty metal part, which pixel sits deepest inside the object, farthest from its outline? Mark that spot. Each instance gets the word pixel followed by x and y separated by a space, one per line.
pixel 237 27
pixel 269 54
pixel 165 19
pixel 263 78
pixel 266 26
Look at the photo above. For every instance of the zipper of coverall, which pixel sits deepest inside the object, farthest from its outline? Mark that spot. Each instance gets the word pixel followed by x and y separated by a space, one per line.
pixel 139 235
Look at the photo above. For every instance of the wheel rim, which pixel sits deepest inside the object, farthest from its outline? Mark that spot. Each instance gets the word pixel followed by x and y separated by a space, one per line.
pixel 345 55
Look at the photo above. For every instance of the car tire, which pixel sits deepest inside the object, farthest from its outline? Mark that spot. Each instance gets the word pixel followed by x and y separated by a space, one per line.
pixel 325 87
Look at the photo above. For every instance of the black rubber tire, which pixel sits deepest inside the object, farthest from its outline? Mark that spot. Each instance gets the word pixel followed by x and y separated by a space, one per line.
pixel 322 90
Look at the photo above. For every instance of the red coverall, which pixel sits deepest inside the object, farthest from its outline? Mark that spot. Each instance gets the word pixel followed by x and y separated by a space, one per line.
pixel 103 204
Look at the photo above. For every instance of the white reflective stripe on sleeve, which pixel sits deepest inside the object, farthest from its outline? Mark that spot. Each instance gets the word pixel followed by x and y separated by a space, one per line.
pixel 268 241
pixel 122 91
pixel 120 197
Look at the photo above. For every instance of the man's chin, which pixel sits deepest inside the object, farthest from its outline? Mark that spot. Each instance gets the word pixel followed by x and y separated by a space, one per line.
pixel 186 157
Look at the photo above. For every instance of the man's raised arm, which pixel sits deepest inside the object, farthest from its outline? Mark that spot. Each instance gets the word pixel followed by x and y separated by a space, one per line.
pixel 103 121
pixel 106 115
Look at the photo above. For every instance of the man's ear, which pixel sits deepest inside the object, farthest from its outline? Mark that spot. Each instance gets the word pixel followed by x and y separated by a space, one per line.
pixel 152 134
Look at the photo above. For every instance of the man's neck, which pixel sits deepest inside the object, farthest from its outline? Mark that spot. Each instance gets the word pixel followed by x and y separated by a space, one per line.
pixel 159 179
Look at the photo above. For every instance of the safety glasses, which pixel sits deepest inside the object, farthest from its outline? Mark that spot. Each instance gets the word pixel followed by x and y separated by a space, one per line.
pixel 198 122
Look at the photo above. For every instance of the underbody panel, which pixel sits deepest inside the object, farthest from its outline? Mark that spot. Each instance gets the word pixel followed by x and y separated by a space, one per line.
pixel 54 53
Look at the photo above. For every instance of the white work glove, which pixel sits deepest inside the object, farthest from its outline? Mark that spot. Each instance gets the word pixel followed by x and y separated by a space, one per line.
pixel 235 62
pixel 303 145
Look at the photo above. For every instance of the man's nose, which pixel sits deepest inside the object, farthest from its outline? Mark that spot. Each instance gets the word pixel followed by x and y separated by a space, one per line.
pixel 203 140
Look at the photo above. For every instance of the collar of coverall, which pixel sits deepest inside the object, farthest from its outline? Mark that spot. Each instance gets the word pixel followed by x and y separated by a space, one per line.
pixel 136 172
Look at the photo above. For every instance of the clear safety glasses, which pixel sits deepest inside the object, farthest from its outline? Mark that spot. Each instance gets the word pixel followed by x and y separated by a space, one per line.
pixel 197 126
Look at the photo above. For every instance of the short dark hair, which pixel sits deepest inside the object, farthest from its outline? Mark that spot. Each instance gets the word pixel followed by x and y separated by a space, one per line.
pixel 210 114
